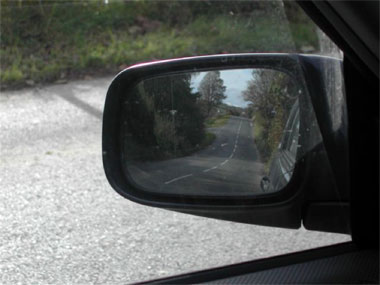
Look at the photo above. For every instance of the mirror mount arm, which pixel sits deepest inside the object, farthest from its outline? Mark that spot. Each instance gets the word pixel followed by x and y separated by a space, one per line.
pixel 331 114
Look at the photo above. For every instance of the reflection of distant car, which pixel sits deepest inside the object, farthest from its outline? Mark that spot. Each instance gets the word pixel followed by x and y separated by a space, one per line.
pixel 282 165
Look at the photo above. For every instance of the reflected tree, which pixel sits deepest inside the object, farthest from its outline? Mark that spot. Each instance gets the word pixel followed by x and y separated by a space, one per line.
pixel 271 94
pixel 164 117
pixel 212 90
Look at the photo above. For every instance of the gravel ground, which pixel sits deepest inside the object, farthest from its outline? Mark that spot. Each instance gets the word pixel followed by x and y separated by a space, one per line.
pixel 61 223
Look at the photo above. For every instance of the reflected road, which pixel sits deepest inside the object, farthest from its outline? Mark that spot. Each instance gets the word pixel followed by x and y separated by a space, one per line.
pixel 229 166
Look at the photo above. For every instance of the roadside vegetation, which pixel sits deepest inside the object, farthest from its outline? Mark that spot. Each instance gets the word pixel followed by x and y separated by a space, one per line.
pixel 55 41
pixel 165 117
pixel 208 140
pixel 217 121
pixel 258 125
pixel 49 41
pixel 272 95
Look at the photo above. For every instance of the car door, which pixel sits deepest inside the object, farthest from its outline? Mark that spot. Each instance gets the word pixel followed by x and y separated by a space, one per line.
pixel 322 107
pixel 62 224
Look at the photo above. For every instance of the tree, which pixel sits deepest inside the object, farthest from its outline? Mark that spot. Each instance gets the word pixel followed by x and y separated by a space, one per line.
pixel 212 91
pixel 163 117
pixel 268 91
pixel 271 94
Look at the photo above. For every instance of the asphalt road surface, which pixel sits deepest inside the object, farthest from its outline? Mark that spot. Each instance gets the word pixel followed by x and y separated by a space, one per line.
pixel 229 166
pixel 61 223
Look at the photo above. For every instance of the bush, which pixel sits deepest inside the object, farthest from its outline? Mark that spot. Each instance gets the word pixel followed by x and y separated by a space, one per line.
pixel 272 94
pixel 165 133
pixel 87 37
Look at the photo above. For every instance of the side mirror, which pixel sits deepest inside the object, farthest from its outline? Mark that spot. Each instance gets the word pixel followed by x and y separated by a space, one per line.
pixel 228 136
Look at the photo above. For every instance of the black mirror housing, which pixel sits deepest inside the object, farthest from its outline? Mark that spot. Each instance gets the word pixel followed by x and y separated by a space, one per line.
pixel 285 208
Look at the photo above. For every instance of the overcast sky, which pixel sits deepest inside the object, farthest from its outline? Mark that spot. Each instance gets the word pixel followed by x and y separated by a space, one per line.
pixel 235 81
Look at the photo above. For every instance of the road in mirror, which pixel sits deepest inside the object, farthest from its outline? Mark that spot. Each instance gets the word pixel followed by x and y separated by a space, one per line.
pixel 215 133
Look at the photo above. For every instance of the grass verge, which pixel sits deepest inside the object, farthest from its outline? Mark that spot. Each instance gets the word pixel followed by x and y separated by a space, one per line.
pixel 44 44
pixel 217 122
pixel 208 140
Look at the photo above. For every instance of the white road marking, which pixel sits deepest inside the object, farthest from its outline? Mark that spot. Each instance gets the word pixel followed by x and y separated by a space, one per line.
pixel 236 142
pixel 178 178
pixel 212 168
pixel 221 164
pixel 215 167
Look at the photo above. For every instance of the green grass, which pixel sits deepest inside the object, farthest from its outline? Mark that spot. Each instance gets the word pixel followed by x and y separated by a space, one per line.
pixel 266 150
pixel 257 125
pixel 261 144
pixel 304 36
pixel 218 121
pixel 48 43
pixel 208 140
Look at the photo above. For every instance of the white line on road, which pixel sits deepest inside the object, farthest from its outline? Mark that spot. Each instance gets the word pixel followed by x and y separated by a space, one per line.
pixel 221 164
pixel 239 127
pixel 236 142
pixel 178 178
pixel 212 168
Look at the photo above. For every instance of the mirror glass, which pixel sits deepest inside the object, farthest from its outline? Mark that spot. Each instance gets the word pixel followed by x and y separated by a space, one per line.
pixel 216 133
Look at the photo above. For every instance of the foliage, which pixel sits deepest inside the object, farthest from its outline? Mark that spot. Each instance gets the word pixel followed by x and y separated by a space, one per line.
pixel 272 94
pixel 163 117
pixel 217 121
pixel 234 111
pixel 212 91
pixel 45 41
pixel 302 29
pixel 209 139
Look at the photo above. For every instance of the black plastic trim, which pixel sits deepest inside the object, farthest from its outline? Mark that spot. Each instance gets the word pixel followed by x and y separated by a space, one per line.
pixel 328 217
pixel 281 209
pixel 326 16
pixel 256 266
pixel 129 78
pixel 361 74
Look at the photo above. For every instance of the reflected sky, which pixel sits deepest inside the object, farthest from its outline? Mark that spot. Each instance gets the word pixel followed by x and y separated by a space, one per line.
pixel 235 80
